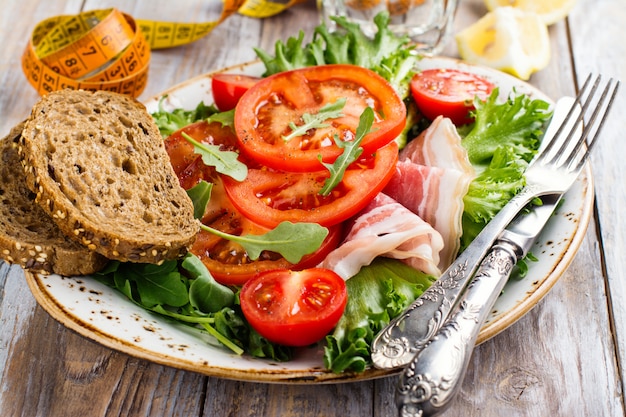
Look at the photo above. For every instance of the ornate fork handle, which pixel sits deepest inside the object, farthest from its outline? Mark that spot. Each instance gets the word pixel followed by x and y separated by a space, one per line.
pixel 407 334
pixel 434 376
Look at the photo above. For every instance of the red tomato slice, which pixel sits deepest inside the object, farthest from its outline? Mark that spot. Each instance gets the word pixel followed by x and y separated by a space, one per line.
pixel 294 308
pixel 187 164
pixel 228 262
pixel 228 89
pixel 265 112
pixel 448 92
pixel 271 197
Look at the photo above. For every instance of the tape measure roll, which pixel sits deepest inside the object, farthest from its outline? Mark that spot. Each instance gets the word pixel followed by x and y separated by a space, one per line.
pixel 97 50
pixel 109 50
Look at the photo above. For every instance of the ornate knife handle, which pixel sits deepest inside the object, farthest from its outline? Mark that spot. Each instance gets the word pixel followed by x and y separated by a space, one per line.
pixel 433 377
pixel 396 345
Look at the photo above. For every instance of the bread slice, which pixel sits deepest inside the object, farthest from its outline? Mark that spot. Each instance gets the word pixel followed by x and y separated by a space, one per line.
pixel 27 235
pixel 99 168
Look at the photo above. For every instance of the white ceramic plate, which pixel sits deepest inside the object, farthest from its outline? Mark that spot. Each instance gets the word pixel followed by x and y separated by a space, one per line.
pixel 106 316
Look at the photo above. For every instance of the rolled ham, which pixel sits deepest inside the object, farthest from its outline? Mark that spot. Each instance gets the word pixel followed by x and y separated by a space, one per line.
pixel 387 228
pixel 439 146
pixel 431 179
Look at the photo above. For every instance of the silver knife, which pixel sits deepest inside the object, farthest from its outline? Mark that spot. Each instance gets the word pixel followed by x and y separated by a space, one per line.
pixel 430 381
pixel 396 345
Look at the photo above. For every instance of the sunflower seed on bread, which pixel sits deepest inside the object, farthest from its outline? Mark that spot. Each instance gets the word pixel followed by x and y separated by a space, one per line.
pixel 98 166
pixel 27 235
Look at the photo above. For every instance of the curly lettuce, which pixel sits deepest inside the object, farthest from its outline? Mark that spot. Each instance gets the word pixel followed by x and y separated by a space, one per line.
pixel 517 124
pixel 169 122
pixel 391 56
pixel 500 144
pixel 378 293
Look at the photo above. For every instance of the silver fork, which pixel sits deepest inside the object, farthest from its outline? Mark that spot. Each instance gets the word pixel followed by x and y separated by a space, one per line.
pixel 553 170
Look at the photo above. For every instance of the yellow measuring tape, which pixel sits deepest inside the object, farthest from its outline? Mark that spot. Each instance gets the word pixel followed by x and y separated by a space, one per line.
pixel 109 50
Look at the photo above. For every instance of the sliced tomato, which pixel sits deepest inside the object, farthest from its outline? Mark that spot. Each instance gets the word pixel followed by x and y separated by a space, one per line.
pixel 269 109
pixel 449 93
pixel 228 89
pixel 187 164
pixel 270 197
pixel 228 262
pixel 294 308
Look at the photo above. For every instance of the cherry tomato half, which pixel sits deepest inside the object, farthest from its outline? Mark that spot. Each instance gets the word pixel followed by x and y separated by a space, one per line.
pixel 449 93
pixel 267 112
pixel 227 261
pixel 271 197
pixel 294 308
pixel 228 89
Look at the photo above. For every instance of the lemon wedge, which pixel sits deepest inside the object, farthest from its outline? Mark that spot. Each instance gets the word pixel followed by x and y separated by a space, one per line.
pixel 550 11
pixel 507 39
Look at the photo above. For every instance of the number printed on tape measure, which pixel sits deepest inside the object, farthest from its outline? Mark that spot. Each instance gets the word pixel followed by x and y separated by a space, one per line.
pixel 108 50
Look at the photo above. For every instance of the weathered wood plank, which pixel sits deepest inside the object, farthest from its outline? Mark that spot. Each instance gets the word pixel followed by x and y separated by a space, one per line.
pixel 597 33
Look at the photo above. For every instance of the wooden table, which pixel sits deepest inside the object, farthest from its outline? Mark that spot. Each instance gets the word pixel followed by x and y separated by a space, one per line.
pixel 564 358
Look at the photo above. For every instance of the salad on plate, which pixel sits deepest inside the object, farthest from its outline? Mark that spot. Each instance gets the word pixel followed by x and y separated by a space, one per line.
pixel 332 189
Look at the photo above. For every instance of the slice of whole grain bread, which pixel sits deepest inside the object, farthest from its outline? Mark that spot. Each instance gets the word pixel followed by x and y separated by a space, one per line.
pixel 28 237
pixel 99 168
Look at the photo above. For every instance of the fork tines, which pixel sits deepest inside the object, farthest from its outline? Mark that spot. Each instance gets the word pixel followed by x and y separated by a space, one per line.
pixel 591 111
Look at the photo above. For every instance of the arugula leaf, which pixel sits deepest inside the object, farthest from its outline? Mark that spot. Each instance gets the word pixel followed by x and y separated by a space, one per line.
pixel 206 294
pixel 225 162
pixel 231 323
pixel 148 284
pixel 141 283
pixel 200 195
pixel 316 121
pixel 291 240
pixel 351 152
pixel 225 118
pixel 377 294
pixel 169 122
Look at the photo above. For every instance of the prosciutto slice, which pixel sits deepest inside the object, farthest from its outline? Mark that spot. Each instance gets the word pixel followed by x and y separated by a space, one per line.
pixel 387 228
pixel 439 146
pixel 431 179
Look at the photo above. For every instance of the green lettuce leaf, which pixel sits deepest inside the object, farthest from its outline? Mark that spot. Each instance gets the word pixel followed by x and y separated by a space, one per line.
pixel 516 124
pixel 388 54
pixel 379 292
pixel 500 144
pixel 169 122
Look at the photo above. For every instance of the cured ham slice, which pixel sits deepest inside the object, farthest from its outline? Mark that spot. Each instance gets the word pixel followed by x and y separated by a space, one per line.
pixel 431 179
pixel 387 228
pixel 436 196
pixel 439 146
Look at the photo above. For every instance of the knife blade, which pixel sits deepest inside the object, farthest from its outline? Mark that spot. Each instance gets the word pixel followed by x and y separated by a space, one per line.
pixel 431 380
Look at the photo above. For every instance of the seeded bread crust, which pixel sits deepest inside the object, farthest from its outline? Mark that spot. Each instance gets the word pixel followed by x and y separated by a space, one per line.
pixel 27 235
pixel 99 168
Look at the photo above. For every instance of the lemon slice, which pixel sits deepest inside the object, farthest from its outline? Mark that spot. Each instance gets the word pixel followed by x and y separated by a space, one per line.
pixel 550 11
pixel 507 39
